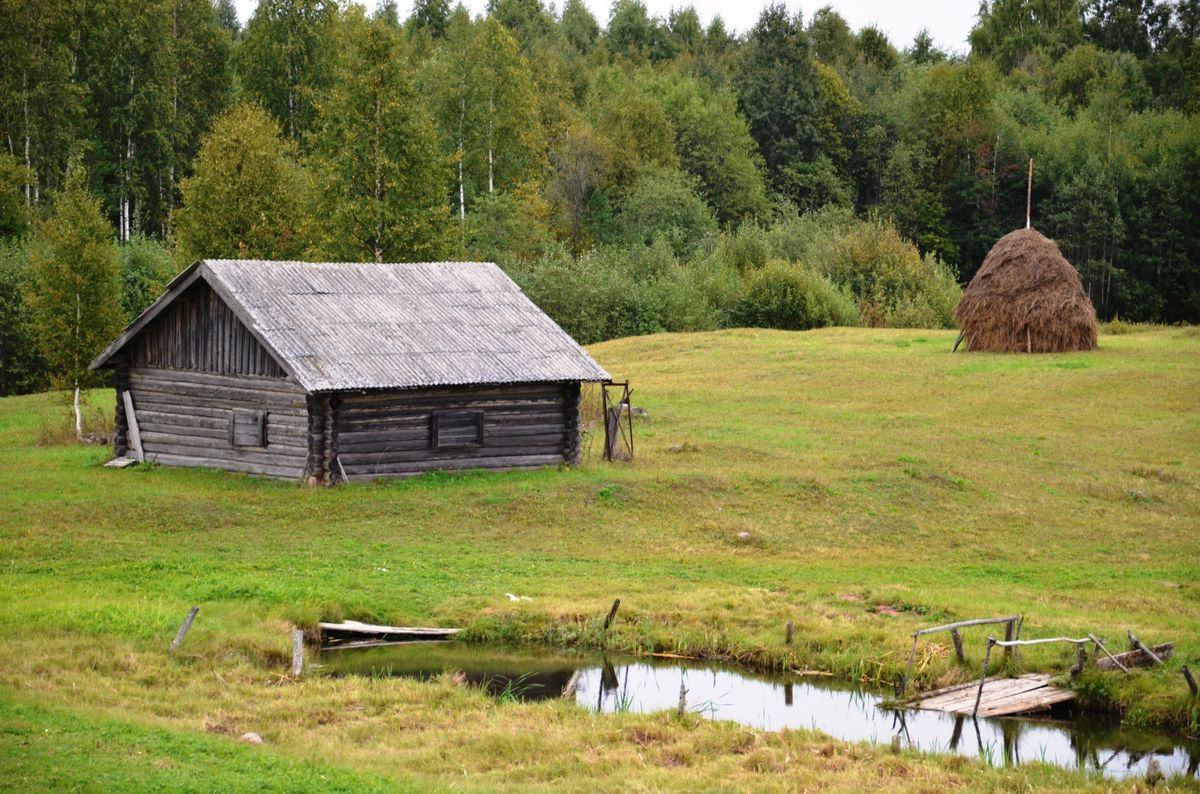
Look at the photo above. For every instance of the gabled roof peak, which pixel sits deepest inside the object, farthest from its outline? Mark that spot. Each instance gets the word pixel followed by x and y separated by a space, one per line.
pixel 337 326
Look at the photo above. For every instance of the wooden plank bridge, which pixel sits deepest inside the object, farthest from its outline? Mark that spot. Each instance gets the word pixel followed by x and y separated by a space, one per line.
pixel 999 697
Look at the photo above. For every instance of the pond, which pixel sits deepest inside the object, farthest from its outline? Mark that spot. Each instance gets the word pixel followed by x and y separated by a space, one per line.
pixel 638 684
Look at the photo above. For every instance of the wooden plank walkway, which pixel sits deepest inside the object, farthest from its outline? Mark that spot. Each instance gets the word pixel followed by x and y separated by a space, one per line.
pixel 1001 696
pixel 353 634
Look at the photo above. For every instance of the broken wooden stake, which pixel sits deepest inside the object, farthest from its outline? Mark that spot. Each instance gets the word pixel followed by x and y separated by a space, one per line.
pixel 612 613
pixel 787 633
pixel 1080 660
pixel 958 646
pixel 1137 645
pixel 682 700
pixel 1191 680
pixel 183 630
pixel 297 653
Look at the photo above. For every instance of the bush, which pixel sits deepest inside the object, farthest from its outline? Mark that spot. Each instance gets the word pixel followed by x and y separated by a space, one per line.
pixel 793 298
pixel 894 285
pixel 664 205
pixel 747 249
pixel 616 291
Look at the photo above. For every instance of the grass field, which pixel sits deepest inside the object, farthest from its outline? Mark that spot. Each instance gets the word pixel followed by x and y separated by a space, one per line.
pixel 871 468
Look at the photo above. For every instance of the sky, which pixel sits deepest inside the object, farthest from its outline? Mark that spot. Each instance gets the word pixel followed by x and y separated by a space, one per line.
pixel 948 21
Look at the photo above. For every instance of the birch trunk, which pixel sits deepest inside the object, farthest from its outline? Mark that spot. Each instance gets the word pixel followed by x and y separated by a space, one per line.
pixel 28 161
pixel 78 334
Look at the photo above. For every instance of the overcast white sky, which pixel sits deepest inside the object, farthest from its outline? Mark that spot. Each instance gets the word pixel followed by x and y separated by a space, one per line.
pixel 948 21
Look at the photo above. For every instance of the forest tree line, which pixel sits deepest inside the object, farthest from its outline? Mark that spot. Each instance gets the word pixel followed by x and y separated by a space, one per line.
pixel 640 175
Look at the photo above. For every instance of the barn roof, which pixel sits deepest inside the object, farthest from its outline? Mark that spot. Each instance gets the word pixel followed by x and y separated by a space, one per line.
pixel 341 326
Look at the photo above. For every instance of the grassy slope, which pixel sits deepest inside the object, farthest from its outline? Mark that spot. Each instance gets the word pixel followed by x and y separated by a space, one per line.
pixel 870 467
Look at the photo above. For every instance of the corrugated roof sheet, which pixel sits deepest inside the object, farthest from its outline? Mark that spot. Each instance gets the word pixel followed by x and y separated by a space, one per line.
pixel 340 326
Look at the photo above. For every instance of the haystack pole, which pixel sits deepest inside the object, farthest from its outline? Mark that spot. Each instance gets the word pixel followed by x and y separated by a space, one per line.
pixel 1029 198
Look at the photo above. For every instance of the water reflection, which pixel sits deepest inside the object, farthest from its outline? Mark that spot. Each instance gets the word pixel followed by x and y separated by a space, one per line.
pixel 638 685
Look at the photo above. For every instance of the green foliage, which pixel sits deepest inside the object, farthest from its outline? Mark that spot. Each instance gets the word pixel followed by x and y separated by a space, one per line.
pixel 14 211
pixel 72 294
pixel 664 205
pixel 713 144
pixel 286 61
pixel 21 366
pixel 248 197
pixel 793 298
pixel 506 227
pixel 893 284
pixel 376 156
pixel 778 94
pixel 146 267
pixel 615 291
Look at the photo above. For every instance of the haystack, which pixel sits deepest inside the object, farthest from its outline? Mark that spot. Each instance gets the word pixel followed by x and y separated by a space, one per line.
pixel 1026 298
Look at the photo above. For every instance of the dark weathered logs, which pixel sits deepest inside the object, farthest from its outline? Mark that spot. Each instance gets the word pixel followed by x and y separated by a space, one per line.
pixel 121 425
pixel 391 434
pixel 572 398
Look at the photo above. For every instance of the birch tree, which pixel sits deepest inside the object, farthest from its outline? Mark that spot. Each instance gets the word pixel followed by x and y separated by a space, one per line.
pixel 286 60
pixel 73 290
pixel 382 176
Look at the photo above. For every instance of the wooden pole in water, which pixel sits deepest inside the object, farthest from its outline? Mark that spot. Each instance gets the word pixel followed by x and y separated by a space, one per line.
pixel 1029 198
pixel 682 699
pixel 183 630
pixel 912 654
pixel 612 613
pixel 986 658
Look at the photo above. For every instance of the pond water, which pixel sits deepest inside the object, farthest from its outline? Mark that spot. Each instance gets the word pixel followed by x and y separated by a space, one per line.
pixel 637 684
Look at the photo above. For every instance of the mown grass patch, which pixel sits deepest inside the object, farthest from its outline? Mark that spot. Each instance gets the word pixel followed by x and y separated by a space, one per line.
pixel 865 474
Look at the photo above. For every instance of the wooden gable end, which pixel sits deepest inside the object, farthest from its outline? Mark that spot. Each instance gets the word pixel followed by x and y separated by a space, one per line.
pixel 199 332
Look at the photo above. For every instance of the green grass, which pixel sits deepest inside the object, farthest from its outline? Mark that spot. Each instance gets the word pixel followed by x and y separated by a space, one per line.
pixel 870 467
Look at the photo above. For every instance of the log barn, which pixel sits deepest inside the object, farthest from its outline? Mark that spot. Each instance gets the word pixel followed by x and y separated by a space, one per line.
pixel 343 371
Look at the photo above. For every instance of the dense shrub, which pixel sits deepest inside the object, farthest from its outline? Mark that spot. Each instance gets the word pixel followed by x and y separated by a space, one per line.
pixel 894 285
pixel 793 298
pixel 616 291
pixel 664 205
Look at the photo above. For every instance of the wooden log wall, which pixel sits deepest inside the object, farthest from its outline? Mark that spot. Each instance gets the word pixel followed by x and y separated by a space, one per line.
pixel 573 397
pixel 389 434
pixel 185 417
pixel 121 424
pixel 200 332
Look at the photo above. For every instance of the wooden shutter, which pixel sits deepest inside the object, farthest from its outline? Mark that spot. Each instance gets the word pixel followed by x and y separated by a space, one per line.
pixel 248 428
pixel 455 429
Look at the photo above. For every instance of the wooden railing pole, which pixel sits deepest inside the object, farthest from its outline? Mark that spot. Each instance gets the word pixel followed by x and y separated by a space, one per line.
pixel 912 654
pixel 986 658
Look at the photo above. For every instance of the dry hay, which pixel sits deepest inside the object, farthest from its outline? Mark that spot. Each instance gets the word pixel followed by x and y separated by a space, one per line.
pixel 1026 298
